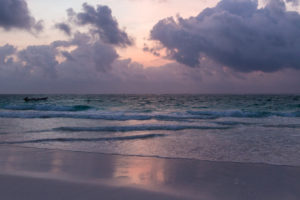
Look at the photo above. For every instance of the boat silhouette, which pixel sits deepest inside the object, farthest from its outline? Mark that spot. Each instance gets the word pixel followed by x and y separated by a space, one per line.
pixel 35 99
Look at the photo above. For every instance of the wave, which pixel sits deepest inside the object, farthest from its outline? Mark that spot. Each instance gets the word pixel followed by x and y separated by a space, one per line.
pixel 45 107
pixel 132 137
pixel 123 116
pixel 283 126
pixel 232 123
pixel 95 115
pixel 135 128
pixel 244 114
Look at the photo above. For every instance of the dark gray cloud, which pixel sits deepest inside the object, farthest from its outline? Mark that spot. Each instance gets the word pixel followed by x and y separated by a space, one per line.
pixel 96 55
pixel 153 50
pixel 64 27
pixel 237 34
pixel 5 51
pixel 15 14
pixel 102 22
pixel 39 59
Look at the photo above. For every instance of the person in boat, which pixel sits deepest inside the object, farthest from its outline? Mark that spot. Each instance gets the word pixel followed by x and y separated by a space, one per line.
pixel 35 99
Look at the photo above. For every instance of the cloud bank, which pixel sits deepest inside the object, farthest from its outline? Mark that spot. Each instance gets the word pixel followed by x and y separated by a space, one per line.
pixel 15 14
pixel 82 72
pixel 237 34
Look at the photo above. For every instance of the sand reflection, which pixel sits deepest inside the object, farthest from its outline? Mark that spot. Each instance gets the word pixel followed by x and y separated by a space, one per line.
pixel 130 170
pixel 57 163
pixel 141 171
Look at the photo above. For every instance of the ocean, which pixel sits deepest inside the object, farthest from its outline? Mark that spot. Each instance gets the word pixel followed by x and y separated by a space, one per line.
pixel 235 128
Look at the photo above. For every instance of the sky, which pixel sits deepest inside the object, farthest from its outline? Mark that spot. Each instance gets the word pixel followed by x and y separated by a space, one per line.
pixel 149 46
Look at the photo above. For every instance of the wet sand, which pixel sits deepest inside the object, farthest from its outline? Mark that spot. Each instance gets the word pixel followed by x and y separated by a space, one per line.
pixel 30 173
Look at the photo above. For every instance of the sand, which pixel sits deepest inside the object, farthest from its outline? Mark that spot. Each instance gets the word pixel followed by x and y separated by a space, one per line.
pixel 34 174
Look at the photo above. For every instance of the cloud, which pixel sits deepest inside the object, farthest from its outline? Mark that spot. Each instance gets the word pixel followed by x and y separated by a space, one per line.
pixel 153 50
pixel 15 14
pixel 102 23
pixel 64 27
pixel 75 57
pixel 39 59
pixel 89 54
pixel 6 51
pixel 237 34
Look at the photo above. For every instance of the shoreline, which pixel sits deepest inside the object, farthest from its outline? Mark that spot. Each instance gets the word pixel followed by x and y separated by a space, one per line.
pixel 153 156
pixel 113 176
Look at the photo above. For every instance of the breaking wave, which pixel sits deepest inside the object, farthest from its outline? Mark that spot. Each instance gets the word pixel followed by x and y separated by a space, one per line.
pixel 96 115
pixel 283 126
pixel 244 114
pixel 135 128
pixel 123 116
pixel 132 137
pixel 232 123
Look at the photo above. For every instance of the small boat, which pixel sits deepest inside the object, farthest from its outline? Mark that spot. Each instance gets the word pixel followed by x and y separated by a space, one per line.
pixel 35 99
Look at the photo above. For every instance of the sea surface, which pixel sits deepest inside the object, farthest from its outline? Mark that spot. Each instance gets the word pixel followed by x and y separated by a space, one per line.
pixel 235 128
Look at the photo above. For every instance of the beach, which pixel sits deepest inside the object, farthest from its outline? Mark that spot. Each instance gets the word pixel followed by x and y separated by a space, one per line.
pixel 150 100
pixel 33 173
pixel 204 147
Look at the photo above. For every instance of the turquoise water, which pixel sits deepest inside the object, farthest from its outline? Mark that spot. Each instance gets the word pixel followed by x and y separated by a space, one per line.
pixel 243 128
